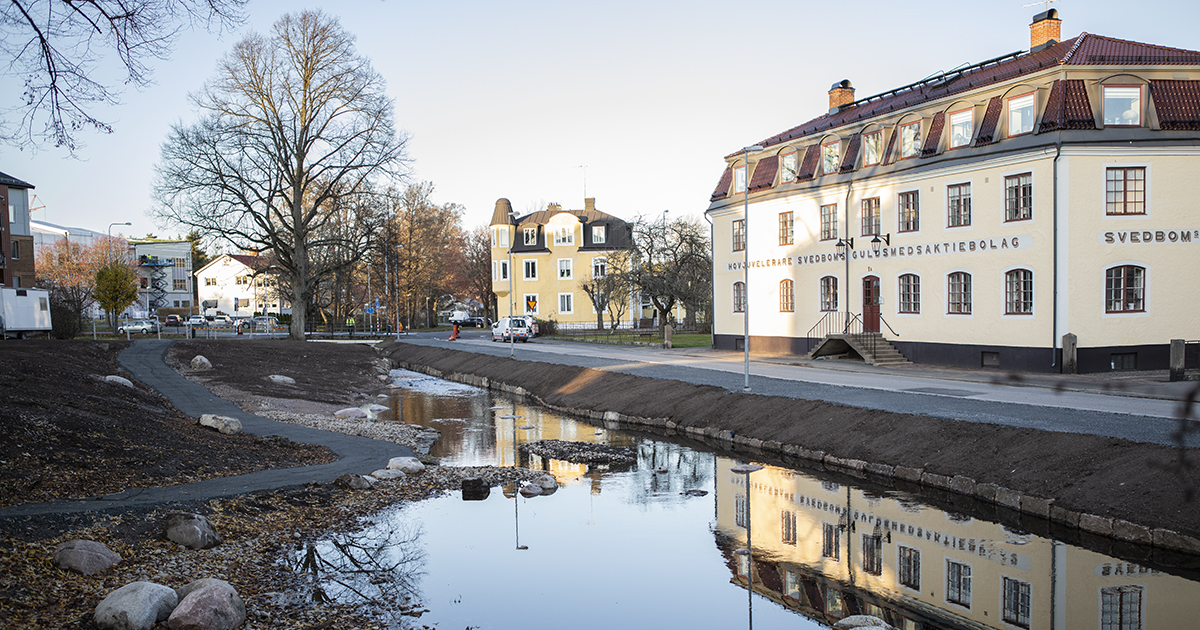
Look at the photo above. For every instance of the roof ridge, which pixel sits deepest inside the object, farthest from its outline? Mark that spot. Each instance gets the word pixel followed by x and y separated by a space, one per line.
pixel 1158 46
pixel 1078 42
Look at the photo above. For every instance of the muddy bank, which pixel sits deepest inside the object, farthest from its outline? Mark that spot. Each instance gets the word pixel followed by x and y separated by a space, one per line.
pixel 1135 492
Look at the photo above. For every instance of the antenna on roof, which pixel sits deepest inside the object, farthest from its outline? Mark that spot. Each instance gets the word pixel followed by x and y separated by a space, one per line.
pixel 1047 4
pixel 584 167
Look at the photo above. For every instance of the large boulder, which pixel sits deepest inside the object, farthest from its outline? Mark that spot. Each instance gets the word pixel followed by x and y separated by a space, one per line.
pixel 388 473
pixel 280 379
pixel 84 556
pixel 352 482
pixel 191 530
pixel 201 362
pixel 530 489
pixel 862 621
pixel 350 412
pixel 119 380
pixel 225 424
pixel 208 604
pixel 135 606
pixel 410 465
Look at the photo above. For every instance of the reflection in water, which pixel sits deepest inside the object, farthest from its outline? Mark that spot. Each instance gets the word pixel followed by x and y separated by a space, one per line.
pixel 376 567
pixel 644 547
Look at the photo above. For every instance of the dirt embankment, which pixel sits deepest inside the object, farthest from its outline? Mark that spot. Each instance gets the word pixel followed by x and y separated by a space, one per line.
pixel 1112 478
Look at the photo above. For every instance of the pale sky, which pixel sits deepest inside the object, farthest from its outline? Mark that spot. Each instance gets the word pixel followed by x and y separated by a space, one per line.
pixel 510 99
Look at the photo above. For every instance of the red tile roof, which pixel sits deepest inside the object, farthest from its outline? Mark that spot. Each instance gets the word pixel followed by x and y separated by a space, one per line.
pixel 1068 107
pixel 934 136
pixel 1177 104
pixel 764 173
pixel 722 190
pixel 851 158
pixel 987 127
pixel 808 167
pixel 1086 49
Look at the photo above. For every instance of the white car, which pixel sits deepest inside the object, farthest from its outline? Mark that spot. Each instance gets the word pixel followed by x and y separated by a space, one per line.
pixel 519 329
pixel 197 321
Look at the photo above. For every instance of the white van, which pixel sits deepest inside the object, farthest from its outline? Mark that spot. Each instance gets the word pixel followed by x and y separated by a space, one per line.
pixel 519 329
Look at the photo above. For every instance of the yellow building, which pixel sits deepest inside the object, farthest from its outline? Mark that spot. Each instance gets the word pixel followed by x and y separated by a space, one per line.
pixel 829 551
pixel 977 217
pixel 553 252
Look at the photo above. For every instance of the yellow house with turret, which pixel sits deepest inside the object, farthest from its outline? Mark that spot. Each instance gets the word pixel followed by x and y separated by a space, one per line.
pixel 541 260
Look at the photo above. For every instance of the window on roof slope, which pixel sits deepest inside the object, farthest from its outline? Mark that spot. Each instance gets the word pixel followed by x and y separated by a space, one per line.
pixel 787 166
pixel 1021 113
pixel 598 234
pixel 910 139
pixel 531 236
pixel 962 127
pixel 1123 105
pixel 872 148
pixel 739 179
pixel 829 157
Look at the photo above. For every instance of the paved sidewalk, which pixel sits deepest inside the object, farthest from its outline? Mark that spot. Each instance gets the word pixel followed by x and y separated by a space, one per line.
pixel 1141 408
pixel 145 360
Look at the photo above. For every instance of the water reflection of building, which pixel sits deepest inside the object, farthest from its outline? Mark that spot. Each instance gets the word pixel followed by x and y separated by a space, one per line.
pixel 829 551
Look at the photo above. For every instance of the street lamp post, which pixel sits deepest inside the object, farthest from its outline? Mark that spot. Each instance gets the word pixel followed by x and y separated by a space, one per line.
pixel 512 339
pixel 746 469
pixel 746 262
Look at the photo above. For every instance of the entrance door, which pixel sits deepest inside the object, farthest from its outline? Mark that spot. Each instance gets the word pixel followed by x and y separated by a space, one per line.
pixel 870 307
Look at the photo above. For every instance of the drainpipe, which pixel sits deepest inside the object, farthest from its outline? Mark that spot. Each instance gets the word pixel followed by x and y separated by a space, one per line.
pixel 1054 363
pixel 846 236
pixel 712 286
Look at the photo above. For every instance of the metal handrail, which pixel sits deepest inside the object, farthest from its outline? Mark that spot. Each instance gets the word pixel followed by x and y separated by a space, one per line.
pixel 847 324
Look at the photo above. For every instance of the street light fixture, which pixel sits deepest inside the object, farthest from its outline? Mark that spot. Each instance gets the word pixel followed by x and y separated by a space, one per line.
pixel 746 262
pixel 746 469
pixel 877 243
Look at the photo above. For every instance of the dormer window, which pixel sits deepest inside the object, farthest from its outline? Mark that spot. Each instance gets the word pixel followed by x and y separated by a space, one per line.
pixel 739 179
pixel 597 234
pixel 564 236
pixel 962 126
pixel 1122 105
pixel 531 236
pixel 1021 113
pixel 910 139
pixel 872 148
pixel 829 157
pixel 787 167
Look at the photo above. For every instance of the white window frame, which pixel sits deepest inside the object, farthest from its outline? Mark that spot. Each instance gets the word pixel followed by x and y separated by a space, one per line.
pixel 602 262
pixel 503 269
pixel 739 297
pixel 739 179
pixel 1123 92
pixel 962 118
pixel 570 273
pixel 830 156
pixel 1004 609
pixel 1033 292
pixel 530 236
pixel 569 303
pixel 598 234
pixel 564 235
pixel 900 567
pixel 968 580
pixel 910 140
pixel 789 165
pixel 870 152
pixel 1145 312
pixel 1145 166
pixel 900 294
pixel 971 294
pixel 536 301
pixel 969 211
pixel 527 265
pixel 1017 106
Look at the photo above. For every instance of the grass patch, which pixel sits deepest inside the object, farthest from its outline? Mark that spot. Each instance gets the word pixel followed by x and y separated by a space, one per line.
pixel 678 340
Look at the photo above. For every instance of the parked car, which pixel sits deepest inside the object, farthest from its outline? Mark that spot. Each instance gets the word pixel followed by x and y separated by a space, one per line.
pixel 197 321
pixel 503 331
pixel 474 322
pixel 173 320
pixel 221 320
pixel 264 323
pixel 138 325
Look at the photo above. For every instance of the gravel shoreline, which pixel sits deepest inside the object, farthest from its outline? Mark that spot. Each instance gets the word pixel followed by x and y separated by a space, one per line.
pixel 261 532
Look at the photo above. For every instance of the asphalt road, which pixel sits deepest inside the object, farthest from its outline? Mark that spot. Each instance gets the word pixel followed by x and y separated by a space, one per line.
pixel 1141 410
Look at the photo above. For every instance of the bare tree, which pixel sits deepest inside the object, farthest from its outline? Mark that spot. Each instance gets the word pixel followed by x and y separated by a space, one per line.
pixel 426 236
pixel 607 286
pixel 472 277
pixel 295 128
pixel 673 264
pixel 58 46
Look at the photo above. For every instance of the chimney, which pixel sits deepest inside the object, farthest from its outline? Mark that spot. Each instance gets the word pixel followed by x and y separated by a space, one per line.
pixel 1045 31
pixel 841 94
pixel 589 204
pixel 554 207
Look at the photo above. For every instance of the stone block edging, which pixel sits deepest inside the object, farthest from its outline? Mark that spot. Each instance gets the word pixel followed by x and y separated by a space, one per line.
pixel 1045 508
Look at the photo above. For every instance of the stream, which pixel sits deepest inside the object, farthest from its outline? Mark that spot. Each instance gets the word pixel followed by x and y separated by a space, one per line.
pixel 663 544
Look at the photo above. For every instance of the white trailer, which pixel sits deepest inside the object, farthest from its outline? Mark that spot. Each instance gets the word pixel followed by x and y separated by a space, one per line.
pixel 24 312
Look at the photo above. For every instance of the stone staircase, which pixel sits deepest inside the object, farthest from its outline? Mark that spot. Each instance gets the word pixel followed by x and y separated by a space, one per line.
pixel 851 345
